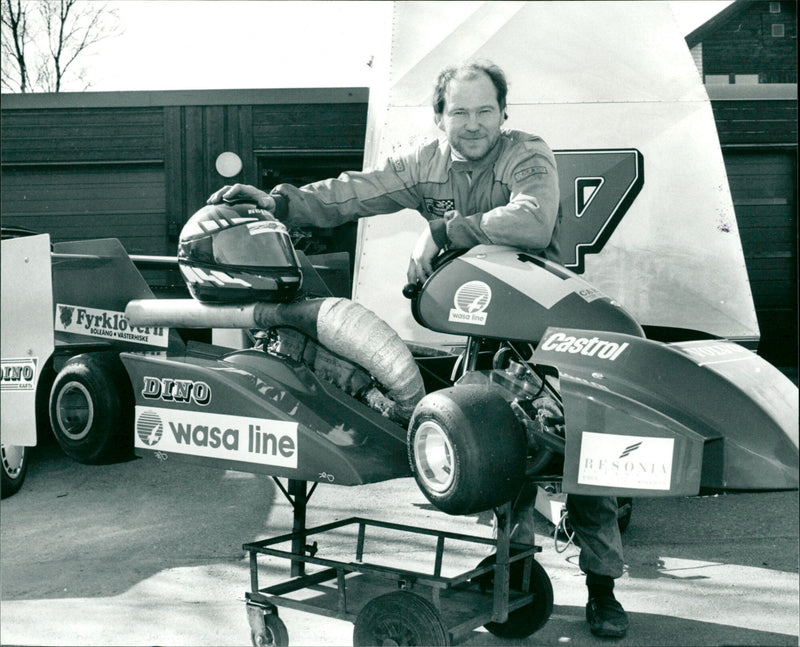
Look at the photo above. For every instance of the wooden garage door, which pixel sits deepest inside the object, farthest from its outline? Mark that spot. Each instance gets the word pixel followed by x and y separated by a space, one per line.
pixel 763 187
pixel 75 202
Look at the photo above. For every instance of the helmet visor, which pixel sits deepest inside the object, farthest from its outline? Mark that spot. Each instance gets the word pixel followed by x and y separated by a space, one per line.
pixel 256 244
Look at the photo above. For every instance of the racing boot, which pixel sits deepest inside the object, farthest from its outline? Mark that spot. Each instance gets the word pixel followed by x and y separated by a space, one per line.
pixel 604 613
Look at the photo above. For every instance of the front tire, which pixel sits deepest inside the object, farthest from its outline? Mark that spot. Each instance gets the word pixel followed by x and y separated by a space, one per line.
pixel 467 449
pixel 14 459
pixel 91 410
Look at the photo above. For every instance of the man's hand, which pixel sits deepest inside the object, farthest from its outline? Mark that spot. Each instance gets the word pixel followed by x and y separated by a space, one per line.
pixel 425 250
pixel 242 193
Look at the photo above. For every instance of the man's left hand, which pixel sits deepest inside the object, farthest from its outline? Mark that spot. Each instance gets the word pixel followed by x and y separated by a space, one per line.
pixel 425 250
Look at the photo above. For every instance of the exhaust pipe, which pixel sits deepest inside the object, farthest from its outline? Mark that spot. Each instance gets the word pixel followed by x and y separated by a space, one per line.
pixel 343 326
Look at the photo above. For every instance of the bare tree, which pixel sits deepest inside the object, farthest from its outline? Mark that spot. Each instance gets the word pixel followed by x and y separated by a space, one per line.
pixel 42 39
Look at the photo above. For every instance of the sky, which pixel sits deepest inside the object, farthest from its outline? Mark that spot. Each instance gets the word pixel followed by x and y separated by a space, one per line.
pixel 216 44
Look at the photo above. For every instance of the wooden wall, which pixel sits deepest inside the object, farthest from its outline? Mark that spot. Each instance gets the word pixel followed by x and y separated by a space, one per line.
pixel 745 44
pixel 81 165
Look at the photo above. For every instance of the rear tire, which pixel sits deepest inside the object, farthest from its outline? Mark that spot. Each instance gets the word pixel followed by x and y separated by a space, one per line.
pixel 467 449
pixel 14 459
pixel 91 409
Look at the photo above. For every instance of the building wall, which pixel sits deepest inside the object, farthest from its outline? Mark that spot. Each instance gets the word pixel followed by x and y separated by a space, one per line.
pixel 745 44
pixel 136 165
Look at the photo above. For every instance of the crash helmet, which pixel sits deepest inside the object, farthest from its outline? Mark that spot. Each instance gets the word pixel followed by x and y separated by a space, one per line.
pixel 238 253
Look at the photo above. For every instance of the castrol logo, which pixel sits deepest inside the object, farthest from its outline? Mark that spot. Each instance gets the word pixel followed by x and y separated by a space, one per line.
pixel 560 342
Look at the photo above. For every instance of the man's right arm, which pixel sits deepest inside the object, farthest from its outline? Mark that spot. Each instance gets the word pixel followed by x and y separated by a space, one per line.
pixel 332 202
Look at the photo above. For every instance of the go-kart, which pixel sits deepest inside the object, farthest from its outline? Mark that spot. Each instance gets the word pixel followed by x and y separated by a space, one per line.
pixel 554 375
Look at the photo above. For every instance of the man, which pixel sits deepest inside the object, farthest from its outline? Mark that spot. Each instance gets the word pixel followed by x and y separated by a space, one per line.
pixel 479 185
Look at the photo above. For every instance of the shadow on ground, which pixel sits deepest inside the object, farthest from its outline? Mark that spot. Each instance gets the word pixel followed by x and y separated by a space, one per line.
pixel 90 531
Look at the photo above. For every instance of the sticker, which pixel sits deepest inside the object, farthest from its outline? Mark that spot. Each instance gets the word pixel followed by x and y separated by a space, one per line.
pixel 266 226
pixel 527 172
pixel 174 390
pixel 18 374
pixel 107 324
pixel 212 435
pixel 591 347
pixel 586 292
pixel 471 300
pixel 637 462
pixel 713 352
pixel 439 207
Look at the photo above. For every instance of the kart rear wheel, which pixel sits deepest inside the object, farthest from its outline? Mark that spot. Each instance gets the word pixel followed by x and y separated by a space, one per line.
pixel 91 409
pixel 14 459
pixel 467 449
pixel 399 618
pixel 530 618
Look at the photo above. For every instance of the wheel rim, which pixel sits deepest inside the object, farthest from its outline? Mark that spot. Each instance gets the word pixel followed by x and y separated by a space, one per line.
pixel 74 411
pixel 13 458
pixel 434 457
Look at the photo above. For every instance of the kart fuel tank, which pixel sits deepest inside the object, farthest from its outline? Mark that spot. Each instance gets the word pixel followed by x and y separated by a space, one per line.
pixel 500 292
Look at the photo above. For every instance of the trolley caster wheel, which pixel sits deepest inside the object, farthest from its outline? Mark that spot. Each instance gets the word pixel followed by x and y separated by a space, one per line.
pixel 530 618
pixel 266 629
pixel 399 618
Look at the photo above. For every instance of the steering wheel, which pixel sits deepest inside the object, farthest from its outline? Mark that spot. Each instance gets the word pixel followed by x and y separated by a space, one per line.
pixel 410 290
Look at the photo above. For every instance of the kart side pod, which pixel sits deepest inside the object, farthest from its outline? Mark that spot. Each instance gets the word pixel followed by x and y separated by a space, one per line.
pixel 645 418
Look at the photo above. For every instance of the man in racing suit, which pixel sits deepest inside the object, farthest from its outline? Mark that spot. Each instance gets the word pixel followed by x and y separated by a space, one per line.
pixel 479 185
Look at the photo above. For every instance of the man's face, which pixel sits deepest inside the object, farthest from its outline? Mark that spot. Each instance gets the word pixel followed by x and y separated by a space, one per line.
pixel 472 117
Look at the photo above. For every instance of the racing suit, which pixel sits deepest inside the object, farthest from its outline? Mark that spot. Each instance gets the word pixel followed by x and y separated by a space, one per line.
pixel 510 197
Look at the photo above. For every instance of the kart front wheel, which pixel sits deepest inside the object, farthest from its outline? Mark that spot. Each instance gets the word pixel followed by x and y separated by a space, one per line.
pixel 14 459
pixel 91 410
pixel 467 449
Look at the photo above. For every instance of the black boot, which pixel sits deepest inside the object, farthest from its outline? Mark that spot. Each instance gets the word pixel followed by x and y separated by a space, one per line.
pixel 605 615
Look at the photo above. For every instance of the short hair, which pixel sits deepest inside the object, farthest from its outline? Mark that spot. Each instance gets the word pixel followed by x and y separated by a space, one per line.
pixel 467 71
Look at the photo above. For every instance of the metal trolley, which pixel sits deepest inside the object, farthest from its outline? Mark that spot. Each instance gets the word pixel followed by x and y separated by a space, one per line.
pixel 508 592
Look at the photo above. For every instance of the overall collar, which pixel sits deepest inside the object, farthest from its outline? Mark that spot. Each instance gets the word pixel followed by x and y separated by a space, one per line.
pixel 458 164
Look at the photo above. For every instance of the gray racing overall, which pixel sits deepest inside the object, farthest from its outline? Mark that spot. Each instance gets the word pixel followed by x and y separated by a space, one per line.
pixel 510 197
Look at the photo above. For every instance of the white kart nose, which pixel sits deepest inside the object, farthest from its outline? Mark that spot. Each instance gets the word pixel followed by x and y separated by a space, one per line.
pixel 434 456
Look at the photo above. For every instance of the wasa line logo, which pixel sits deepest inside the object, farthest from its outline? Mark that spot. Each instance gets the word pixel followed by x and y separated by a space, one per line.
pixel 149 428
pixel 212 435
pixel 470 301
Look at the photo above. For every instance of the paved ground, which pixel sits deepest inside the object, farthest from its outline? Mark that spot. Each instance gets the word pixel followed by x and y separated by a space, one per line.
pixel 145 553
